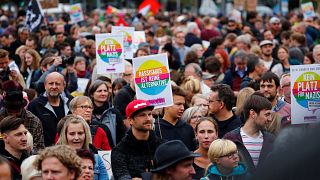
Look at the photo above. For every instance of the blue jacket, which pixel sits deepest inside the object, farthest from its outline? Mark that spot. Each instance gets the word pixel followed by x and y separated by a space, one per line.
pixel 238 173
pixel 100 171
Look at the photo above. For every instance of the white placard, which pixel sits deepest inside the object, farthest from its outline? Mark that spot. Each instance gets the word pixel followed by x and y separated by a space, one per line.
pixel 138 37
pixel 307 9
pixel 127 33
pixel 152 79
pixel 109 53
pixel 76 13
pixel 305 93
pixel 106 158
pixel 82 84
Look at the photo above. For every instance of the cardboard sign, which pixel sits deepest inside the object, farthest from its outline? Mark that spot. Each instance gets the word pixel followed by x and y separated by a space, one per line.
pixel 82 84
pixel 152 79
pixel 76 14
pixel 49 4
pixel 127 33
pixel 138 37
pixel 106 158
pixel 305 93
pixel 109 53
pixel 307 9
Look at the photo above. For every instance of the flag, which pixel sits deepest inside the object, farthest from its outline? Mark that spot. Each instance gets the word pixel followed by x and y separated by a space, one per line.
pixel 110 10
pixel 34 17
pixel 149 5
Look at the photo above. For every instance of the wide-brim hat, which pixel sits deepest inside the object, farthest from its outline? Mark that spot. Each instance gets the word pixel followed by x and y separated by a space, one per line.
pixel 170 153
pixel 14 100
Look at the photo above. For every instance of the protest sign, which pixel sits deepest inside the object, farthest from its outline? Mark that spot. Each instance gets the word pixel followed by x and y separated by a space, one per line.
pixel 152 79
pixel 109 53
pixel 138 37
pixel 82 84
pixel 106 158
pixel 305 96
pixel 308 10
pixel 127 33
pixel 76 14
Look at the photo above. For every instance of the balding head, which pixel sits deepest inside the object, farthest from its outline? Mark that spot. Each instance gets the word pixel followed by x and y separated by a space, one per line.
pixel 54 84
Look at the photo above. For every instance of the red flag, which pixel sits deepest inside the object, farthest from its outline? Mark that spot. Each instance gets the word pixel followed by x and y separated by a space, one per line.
pixel 121 22
pixel 110 10
pixel 154 6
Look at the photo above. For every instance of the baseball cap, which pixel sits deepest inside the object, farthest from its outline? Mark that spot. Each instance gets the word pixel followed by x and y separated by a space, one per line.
pixel 265 42
pixel 137 105
pixel 274 20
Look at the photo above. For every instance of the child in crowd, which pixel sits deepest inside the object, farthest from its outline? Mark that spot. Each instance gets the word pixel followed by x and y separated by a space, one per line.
pixel 223 155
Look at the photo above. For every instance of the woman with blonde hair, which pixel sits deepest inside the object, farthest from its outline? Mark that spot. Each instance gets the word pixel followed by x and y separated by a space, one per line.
pixel 275 125
pixel 224 157
pixel 76 134
pixel 29 65
pixel 20 53
pixel 241 98
pixel 201 101
pixel 191 86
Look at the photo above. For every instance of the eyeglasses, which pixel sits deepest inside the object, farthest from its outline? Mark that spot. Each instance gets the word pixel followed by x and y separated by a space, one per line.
pixel 124 74
pixel 196 117
pixel 84 107
pixel 231 155
pixel 212 101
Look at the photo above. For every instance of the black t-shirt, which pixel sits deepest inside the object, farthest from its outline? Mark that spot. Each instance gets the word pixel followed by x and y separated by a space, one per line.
pixel 59 110
pixel 228 125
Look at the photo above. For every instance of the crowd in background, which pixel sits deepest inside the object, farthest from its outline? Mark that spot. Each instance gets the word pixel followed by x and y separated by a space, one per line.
pixel 230 85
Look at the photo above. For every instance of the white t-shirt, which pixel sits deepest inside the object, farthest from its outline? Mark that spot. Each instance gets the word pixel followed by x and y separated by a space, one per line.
pixel 253 145
pixel 277 69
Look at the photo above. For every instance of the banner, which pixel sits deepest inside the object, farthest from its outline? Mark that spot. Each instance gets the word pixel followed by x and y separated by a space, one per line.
pixel 106 158
pixel 49 4
pixel 34 17
pixel 109 53
pixel 305 97
pixel 138 37
pixel 152 79
pixel 76 14
pixel 308 10
pixel 127 33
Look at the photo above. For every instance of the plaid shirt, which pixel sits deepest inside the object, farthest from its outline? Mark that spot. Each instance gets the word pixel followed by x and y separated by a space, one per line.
pixel 33 125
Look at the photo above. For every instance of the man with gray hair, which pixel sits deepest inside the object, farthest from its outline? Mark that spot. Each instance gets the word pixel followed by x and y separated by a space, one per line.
pixel 193 35
pixel 51 106
pixel 195 70
pixel 23 34
pixel 316 54
pixel 235 74
pixel 244 42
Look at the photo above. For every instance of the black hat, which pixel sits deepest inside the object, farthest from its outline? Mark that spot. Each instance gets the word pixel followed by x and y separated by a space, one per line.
pixel 14 100
pixel 170 153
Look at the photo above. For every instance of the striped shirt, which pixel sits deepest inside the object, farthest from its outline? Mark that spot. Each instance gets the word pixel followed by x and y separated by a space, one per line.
pixel 253 145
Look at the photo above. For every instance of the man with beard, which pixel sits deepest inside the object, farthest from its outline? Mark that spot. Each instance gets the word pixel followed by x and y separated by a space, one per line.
pixel 134 153
pixel 171 127
pixel 269 87
pixel 270 63
pixel 253 142
pixel 51 106
pixel 14 143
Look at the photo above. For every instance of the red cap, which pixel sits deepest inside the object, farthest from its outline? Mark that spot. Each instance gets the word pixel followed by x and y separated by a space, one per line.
pixel 136 105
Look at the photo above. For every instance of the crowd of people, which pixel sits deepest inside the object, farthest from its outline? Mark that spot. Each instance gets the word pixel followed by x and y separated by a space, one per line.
pixel 231 112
